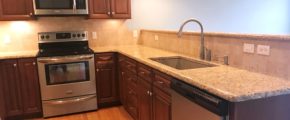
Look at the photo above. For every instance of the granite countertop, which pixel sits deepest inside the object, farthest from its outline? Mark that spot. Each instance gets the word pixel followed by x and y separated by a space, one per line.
pixel 18 54
pixel 232 84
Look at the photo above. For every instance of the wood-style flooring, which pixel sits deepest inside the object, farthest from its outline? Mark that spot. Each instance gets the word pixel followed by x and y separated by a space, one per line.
pixel 113 113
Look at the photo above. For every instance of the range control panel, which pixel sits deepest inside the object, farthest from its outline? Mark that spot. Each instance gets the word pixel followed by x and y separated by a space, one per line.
pixel 46 37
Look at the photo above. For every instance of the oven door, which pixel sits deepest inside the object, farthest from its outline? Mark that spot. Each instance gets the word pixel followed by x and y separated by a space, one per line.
pixel 60 7
pixel 69 76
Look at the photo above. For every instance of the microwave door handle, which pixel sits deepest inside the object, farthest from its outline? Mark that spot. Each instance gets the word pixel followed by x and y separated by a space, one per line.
pixel 74 6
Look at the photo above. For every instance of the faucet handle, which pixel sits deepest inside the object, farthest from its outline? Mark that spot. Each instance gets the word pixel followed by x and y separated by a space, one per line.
pixel 207 54
pixel 222 59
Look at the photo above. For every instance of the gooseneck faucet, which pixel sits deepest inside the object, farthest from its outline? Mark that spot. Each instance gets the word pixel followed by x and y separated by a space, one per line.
pixel 201 53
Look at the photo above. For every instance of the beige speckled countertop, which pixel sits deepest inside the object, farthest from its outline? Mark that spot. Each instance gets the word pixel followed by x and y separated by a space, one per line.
pixel 230 83
pixel 18 54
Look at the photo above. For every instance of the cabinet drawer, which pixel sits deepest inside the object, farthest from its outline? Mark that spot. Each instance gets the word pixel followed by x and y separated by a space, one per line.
pixel 144 72
pixel 130 66
pixel 132 80
pixel 162 82
pixel 104 57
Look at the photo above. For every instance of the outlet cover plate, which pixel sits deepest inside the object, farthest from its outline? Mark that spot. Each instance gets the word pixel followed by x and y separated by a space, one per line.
pixel 249 48
pixel 263 49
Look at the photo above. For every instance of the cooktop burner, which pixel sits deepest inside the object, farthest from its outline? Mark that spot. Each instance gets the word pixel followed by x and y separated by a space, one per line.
pixel 63 43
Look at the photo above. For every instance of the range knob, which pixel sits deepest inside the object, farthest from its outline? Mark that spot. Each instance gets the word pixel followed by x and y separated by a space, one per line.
pixel 79 35
pixel 47 36
pixel 42 36
pixel 83 35
pixel 74 35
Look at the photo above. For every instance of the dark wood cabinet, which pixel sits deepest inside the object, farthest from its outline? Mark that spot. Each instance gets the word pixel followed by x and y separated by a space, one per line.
pixel 145 100
pixel 11 88
pixel 152 101
pixel 120 9
pixel 30 90
pixel 20 88
pixel 161 105
pixel 128 85
pixel 107 86
pixel 16 9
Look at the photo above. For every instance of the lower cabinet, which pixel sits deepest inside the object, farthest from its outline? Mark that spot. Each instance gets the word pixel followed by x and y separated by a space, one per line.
pixel 161 105
pixel 20 88
pixel 107 87
pixel 146 91
pixel 145 100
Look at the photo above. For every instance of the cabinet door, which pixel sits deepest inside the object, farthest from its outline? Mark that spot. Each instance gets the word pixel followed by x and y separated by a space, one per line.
pixel 16 9
pixel 107 88
pixel 11 88
pixel 121 9
pixel 2 104
pixel 29 86
pixel 106 83
pixel 99 8
pixel 145 100
pixel 121 79
pixel 161 105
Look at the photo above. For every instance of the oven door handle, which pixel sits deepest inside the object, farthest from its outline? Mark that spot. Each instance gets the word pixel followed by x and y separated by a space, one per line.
pixel 69 101
pixel 54 60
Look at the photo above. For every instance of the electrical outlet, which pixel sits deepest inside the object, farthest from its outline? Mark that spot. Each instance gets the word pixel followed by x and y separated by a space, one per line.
pixel 263 49
pixel 249 48
pixel 95 35
pixel 156 37
pixel 135 33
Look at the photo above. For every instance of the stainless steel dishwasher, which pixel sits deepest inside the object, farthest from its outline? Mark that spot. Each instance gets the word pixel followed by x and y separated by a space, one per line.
pixel 191 103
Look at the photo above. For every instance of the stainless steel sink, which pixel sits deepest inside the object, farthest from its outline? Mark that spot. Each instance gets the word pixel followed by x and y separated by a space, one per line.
pixel 181 63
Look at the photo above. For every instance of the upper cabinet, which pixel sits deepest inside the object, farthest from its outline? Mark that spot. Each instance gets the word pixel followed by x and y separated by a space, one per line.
pixel 119 9
pixel 16 9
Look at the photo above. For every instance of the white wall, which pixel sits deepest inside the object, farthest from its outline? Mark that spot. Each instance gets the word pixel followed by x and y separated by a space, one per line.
pixel 235 16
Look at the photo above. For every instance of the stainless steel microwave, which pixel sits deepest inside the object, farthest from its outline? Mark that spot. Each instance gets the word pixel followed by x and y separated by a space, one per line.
pixel 60 7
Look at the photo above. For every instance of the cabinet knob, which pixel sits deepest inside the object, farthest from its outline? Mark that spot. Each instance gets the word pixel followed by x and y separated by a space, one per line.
pixel 109 13
pixel 97 70
pixel 15 65
pixel 34 63
pixel 113 13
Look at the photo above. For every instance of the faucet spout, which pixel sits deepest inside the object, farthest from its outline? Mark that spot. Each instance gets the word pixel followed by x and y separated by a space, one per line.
pixel 179 34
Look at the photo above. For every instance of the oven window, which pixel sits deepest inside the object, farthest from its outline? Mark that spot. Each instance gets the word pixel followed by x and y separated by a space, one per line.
pixel 54 4
pixel 67 73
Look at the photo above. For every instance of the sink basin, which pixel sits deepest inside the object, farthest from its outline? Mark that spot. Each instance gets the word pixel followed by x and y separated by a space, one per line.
pixel 181 63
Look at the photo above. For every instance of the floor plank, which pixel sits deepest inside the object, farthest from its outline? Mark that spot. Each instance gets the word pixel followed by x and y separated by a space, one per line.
pixel 113 113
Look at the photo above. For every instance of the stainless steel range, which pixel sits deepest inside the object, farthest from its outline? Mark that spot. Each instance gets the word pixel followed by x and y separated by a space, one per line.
pixel 66 73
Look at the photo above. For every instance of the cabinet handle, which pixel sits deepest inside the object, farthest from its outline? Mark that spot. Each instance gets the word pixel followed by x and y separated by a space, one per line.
pixel 160 82
pixel 15 65
pixel 150 93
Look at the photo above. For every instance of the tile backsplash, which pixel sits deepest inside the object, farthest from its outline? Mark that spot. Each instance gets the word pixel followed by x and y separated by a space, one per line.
pixel 22 35
pixel 231 45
